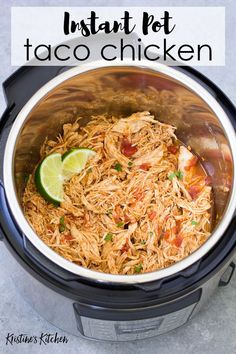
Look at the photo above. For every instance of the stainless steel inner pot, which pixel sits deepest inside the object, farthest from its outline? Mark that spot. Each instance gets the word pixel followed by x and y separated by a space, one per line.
pixel 172 96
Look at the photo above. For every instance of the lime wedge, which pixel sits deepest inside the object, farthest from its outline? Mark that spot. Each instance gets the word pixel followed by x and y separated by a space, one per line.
pixel 74 161
pixel 55 169
pixel 49 179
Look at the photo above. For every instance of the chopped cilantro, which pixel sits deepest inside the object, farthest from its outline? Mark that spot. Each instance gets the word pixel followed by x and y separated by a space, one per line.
pixel 118 167
pixel 61 228
pixel 171 176
pixel 138 268
pixel 130 163
pixel 150 233
pixel 120 224
pixel 62 225
pixel 194 222
pixel 177 174
pixel 108 236
pixel 143 242
pixel 62 221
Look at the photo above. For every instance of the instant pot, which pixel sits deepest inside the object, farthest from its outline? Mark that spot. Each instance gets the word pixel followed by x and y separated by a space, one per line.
pixel 81 301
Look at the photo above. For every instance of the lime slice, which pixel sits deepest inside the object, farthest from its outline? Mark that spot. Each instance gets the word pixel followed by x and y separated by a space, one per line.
pixel 49 179
pixel 74 161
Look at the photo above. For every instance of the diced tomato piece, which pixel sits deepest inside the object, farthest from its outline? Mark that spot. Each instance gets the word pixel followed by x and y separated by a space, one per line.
pixel 118 209
pixel 117 214
pixel 126 247
pixel 174 230
pixel 194 191
pixel 178 241
pixel 138 194
pixel 152 215
pixel 191 163
pixel 126 218
pixel 177 227
pixel 166 235
pixel 173 149
pixel 127 148
pixel 145 166
pixel 179 224
pixel 116 218
pixel 68 237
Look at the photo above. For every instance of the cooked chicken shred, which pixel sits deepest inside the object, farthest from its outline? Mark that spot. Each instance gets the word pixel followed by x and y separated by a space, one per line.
pixel 135 208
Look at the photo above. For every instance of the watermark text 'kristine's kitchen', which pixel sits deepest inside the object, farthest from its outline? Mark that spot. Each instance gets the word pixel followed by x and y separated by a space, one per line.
pixel 41 339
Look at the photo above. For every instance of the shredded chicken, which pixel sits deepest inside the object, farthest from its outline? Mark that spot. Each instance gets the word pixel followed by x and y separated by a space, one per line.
pixel 138 206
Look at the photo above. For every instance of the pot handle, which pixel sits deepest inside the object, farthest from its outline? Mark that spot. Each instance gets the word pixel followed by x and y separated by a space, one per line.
pixel 2 198
pixel 20 87
pixel 1 233
pixel 7 225
pixel 25 81
pixel 156 285
pixel 227 276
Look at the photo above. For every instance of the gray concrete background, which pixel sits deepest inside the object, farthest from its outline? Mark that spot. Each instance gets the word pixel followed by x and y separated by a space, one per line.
pixel 214 329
